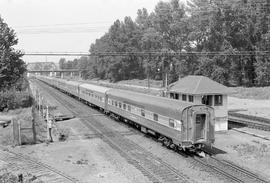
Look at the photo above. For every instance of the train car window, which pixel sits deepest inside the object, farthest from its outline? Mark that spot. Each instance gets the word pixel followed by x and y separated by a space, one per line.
pixel 190 98
pixel 172 95
pixel 120 105
pixel 184 97
pixel 171 123
pixel 133 109
pixel 155 116
pixel 218 100
pixel 143 112
pixel 124 106
pixel 176 96
pixel 200 118
pixel 115 103
pixel 129 108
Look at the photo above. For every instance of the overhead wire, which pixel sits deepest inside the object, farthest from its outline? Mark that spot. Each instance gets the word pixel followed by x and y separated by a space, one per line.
pixel 48 25
pixel 147 53
pixel 60 28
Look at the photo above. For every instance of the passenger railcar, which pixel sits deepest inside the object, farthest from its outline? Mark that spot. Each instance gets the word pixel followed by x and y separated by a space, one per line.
pixel 72 87
pixel 94 94
pixel 176 123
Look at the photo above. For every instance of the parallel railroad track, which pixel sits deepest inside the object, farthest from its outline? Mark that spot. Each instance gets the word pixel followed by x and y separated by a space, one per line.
pixel 152 167
pixel 18 162
pixel 250 121
pixel 229 171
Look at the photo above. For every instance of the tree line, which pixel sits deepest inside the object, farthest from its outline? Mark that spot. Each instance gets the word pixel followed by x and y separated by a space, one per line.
pixel 228 41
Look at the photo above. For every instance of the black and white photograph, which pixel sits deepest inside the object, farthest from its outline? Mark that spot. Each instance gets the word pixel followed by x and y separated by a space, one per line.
pixel 134 91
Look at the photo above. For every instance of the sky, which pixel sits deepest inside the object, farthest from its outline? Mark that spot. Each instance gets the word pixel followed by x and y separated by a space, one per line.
pixel 65 25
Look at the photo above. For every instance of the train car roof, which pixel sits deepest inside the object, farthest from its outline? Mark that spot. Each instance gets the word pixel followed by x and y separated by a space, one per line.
pixel 97 88
pixel 72 82
pixel 160 105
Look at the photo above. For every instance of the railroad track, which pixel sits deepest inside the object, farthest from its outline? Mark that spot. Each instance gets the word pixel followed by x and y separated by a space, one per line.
pixel 16 162
pixel 152 167
pixel 229 170
pixel 250 121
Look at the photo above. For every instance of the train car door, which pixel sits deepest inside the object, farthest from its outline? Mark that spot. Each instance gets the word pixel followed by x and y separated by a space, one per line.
pixel 200 123
pixel 187 126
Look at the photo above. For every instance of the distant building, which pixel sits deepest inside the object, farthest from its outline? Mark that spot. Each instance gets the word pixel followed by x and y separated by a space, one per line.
pixel 202 90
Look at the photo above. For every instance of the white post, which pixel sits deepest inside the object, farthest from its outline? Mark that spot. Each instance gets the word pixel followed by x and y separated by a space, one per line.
pixel 42 106
pixel 47 113
pixel 39 103
pixel 47 120
pixel 19 132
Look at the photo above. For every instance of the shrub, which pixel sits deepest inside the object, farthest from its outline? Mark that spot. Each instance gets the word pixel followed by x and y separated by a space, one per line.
pixel 14 100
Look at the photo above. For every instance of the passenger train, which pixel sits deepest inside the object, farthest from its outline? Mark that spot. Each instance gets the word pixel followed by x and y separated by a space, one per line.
pixel 177 124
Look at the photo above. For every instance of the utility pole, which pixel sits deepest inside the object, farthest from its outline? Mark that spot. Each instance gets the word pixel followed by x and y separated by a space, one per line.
pixel 148 79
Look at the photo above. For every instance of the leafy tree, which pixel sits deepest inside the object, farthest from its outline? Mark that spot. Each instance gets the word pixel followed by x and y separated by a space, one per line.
pixel 12 66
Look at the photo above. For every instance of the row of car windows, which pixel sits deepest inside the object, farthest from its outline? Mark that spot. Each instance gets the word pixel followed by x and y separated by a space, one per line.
pixel 143 113
pixel 94 96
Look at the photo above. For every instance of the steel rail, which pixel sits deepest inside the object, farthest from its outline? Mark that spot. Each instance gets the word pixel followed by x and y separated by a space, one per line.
pixel 250 121
pixel 33 166
pixel 230 170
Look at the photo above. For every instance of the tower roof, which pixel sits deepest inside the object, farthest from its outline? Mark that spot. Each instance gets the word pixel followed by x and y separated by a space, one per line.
pixel 198 85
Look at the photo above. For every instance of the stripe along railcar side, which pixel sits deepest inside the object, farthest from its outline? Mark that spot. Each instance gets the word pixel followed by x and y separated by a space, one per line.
pixel 177 124
pixel 94 95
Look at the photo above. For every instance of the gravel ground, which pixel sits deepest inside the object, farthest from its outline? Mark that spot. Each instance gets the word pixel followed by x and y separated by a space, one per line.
pixel 247 151
pixel 87 160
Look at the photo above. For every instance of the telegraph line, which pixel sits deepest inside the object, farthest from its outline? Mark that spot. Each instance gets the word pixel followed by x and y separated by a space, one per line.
pixel 67 24
pixel 148 53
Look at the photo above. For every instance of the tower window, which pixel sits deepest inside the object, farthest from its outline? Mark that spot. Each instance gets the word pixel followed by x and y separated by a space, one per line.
pixel 184 97
pixel 218 100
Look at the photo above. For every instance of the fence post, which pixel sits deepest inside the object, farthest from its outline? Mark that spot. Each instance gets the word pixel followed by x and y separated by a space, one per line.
pixel 14 132
pixel 34 125
pixel 39 100
pixel 47 119
pixel 19 130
